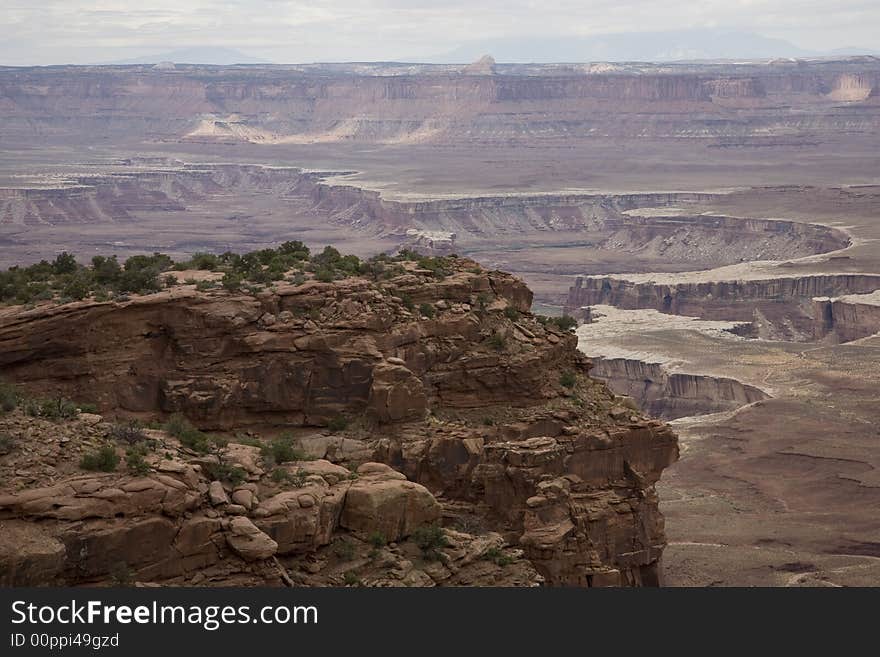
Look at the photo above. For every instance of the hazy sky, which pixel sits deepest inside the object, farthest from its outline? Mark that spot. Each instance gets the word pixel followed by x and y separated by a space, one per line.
pixel 287 31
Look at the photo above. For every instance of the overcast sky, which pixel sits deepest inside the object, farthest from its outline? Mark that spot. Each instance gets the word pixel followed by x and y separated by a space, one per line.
pixel 288 31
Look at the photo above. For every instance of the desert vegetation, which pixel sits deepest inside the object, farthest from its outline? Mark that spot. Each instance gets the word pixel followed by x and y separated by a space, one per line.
pixel 104 279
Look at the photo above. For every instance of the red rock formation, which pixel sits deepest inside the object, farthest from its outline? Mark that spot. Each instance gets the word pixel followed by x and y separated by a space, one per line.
pixel 468 404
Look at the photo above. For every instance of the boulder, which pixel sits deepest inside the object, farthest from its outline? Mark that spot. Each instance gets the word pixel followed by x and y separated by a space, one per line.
pixel 383 501
pixel 216 494
pixel 248 541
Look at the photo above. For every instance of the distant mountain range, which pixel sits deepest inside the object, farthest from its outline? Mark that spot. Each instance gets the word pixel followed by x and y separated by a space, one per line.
pixel 692 44
pixel 201 55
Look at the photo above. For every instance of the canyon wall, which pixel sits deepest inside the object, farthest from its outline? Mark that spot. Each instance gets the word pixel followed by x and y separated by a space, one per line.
pixel 671 395
pixel 276 105
pixel 605 222
pixel 464 398
pixel 782 306
pixel 847 318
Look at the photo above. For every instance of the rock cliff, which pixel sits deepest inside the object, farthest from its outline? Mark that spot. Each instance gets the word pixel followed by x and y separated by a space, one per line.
pixel 408 401
pixel 488 102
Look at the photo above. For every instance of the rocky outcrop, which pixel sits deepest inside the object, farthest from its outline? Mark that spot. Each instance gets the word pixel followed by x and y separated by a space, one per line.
pixel 456 412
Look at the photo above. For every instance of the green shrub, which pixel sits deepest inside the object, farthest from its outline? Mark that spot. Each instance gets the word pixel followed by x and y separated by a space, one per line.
pixel 195 440
pixel 78 285
pixel 157 262
pixel 176 425
pixel 106 270
pixel 122 575
pixel 512 313
pixel 232 281
pixel 496 555
pixel 169 280
pixel 231 474
pixel 7 444
pixel 190 437
pixel 204 286
pixel 429 539
pixel 88 408
pixel 351 579
pixel 64 264
pixel 104 460
pixel 337 423
pixel 281 450
pixel 563 322
pixel 297 480
pixel 51 409
pixel 205 261
pixel 377 539
pixel 344 549
pixel 427 310
pixel 325 275
pixel 568 380
pixel 138 281
pixel 497 341
pixel 134 459
pixel 8 398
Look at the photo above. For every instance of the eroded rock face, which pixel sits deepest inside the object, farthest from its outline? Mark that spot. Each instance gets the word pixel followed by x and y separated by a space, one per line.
pixel 459 415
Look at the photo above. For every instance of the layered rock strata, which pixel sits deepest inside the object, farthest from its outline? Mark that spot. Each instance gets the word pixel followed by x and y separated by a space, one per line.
pixel 487 416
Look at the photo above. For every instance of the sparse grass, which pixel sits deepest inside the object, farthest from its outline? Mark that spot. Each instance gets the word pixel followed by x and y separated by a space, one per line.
pixel 351 579
pixel 567 380
pixel 104 459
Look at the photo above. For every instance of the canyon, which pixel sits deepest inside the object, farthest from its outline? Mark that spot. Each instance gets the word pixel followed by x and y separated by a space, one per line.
pixel 713 225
